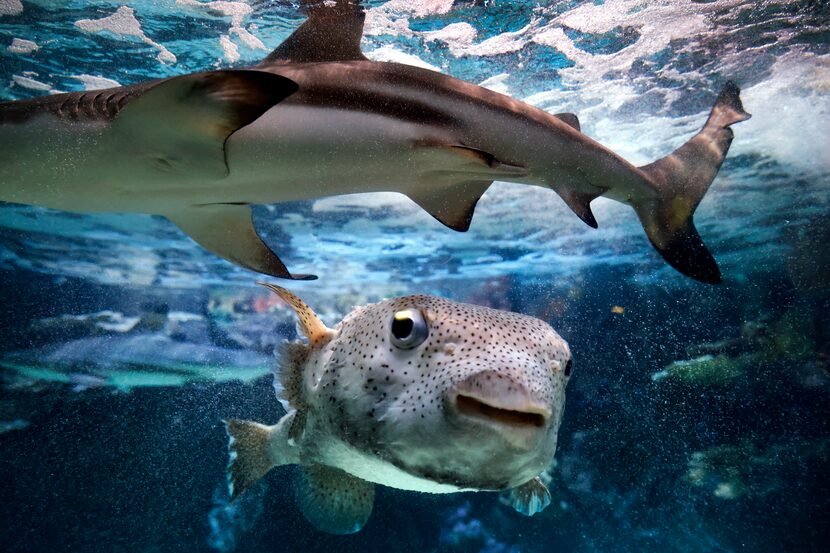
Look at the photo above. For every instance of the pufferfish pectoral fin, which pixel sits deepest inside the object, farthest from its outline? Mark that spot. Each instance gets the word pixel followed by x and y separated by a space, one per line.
pixel 333 500
pixel 530 498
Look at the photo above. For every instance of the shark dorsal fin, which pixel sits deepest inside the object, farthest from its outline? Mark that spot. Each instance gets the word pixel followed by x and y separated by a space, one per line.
pixel 332 32
pixel 311 325
pixel 569 119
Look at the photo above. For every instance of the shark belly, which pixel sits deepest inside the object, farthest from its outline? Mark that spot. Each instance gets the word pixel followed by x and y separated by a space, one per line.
pixel 45 161
pixel 85 166
pixel 296 152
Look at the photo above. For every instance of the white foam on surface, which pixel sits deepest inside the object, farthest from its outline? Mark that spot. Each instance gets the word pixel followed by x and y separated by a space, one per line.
pixel 460 37
pixel 418 8
pixel 659 23
pixel 392 18
pixel 598 85
pixel 247 38
pixel 497 83
pixel 123 23
pixel 229 49
pixel 95 82
pixel 392 54
pixel 237 12
pixel 379 22
pixel 504 43
pixel 33 84
pixel 457 36
pixel 790 113
pixel 22 46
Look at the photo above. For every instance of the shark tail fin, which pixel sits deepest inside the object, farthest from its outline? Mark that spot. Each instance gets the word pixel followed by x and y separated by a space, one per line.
pixel 682 179
pixel 249 451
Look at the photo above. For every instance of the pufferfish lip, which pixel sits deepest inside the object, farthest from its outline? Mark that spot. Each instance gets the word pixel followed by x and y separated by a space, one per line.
pixel 529 416
pixel 493 398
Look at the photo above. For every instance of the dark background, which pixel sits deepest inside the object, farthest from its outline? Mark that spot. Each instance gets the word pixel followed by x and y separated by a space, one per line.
pixel 107 471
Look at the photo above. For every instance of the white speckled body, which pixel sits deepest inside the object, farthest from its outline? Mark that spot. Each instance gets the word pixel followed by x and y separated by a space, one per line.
pixel 388 415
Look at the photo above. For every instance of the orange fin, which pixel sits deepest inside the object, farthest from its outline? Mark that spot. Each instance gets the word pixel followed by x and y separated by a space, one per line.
pixel 310 324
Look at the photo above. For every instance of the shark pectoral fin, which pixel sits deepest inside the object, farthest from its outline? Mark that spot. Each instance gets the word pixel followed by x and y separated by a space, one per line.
pixel 452 204
pixel 493 166
pixel 530 498
pixel 333 500
pixel 569 119
pixel 181 124
pixel 228 231
pixel 332 32
pixel 580 203
pixel 311 325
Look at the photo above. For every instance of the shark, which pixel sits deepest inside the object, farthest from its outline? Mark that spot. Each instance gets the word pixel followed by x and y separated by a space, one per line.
pixel 317 118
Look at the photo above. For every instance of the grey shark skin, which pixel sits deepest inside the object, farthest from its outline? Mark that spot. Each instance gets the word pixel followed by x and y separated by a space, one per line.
pixel 316 118
pixel 417 393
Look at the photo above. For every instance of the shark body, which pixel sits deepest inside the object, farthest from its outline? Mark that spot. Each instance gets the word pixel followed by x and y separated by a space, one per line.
pixel 316 118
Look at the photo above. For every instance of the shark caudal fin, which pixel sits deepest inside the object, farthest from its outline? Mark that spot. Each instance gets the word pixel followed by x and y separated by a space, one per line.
pixel 682 179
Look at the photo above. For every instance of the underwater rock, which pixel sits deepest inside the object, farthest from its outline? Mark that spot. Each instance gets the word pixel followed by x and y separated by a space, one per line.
pixel 16 424
pixel 735 471
pixel 248 320
pixel 462 532
pixel 808 264
pixel 761 347
pixel 68 326
pixel 154 317
pixel 705 370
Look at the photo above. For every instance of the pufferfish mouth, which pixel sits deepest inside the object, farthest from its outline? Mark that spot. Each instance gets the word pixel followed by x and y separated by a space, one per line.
pixel 528 416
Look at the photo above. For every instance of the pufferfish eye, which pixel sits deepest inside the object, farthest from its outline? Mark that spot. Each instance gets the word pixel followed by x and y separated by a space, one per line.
pixel 409 329
pixel 569 367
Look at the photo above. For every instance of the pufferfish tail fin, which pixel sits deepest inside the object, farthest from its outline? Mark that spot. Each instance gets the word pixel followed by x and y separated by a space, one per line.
pixel 255 449
pixel 249 456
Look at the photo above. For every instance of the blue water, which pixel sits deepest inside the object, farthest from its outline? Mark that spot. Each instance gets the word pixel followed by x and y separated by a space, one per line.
pixel 110 433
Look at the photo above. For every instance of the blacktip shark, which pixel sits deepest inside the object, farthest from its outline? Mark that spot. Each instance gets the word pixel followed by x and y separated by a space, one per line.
pixel 316 118
pixel 418 393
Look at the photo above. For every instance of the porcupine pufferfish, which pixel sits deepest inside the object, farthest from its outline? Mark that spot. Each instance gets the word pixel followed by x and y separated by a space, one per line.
pixel 418 393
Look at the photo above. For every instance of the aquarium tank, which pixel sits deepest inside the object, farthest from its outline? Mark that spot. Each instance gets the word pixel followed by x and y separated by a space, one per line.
pixel 697 415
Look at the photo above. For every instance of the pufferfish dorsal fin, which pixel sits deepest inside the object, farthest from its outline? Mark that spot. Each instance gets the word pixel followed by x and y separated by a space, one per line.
pixel 332 500
pixel 332 32
pixel 310 324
